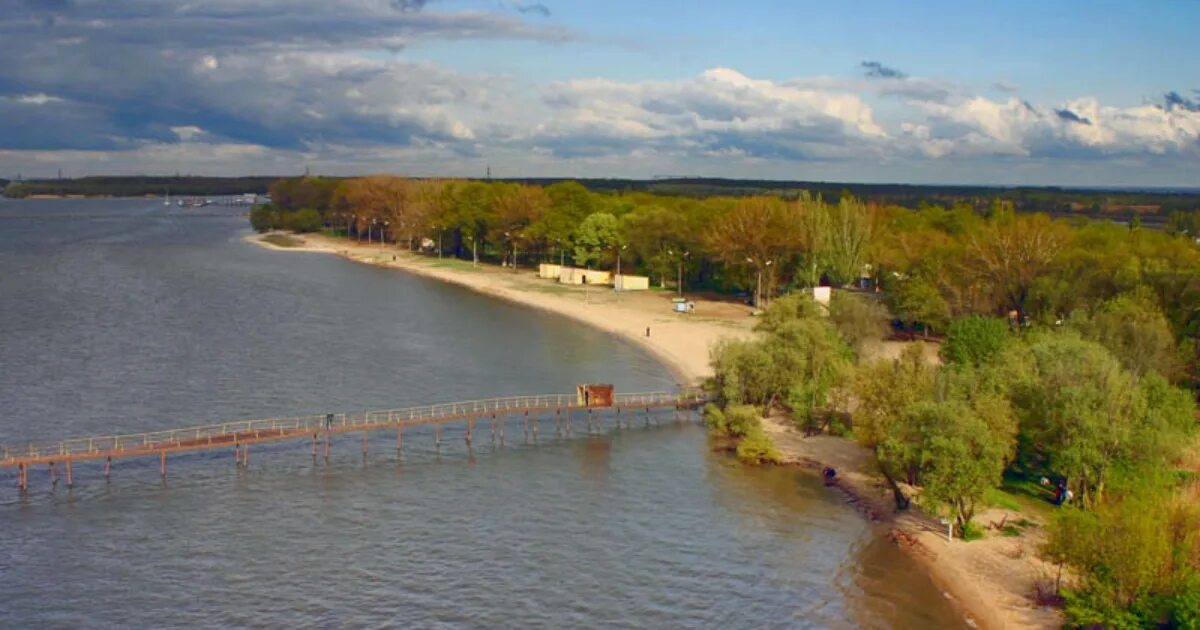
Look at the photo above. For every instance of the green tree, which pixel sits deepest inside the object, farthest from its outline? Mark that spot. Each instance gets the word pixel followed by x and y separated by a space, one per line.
pixel 862 321
pixel 975 340
pixel 963 457
pixel 1134 329
pixel 594 238
pixel 16 190
pixel 919 300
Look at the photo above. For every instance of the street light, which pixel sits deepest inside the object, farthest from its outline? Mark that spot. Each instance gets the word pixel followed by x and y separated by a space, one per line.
pixel 616 284
pixel 758 281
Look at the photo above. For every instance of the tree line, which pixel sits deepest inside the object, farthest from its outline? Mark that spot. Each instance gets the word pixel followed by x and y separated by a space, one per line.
pixel 1069 347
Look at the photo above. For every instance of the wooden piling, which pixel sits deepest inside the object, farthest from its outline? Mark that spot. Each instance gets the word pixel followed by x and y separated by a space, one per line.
pixel 399 437
pixel 107 467
pixel 70 483
pixel 53 475
pixel 364 444
pixel 470 431
pixel 162 464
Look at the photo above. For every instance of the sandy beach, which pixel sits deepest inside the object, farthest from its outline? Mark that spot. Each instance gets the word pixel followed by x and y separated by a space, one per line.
pixel 989 580
pixel 681 341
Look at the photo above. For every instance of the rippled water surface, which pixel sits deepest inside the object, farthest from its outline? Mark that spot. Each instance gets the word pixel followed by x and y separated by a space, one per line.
pixel 122 316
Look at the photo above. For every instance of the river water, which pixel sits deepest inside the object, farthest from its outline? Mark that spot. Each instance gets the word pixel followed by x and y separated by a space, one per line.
pixel 121 316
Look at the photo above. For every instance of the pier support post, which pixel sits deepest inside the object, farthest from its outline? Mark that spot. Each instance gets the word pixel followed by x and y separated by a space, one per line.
pixel 493 428
pixel 558 422
pixel 470 437
pixel 53 475
pixel 70 483
pixel 399 437
pixel 162 464
pixel 647 416
pixel 107 467
pixel 23 477
pixel 525 425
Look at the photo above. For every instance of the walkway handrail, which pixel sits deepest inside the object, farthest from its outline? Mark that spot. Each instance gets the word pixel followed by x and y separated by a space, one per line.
pixel 238 429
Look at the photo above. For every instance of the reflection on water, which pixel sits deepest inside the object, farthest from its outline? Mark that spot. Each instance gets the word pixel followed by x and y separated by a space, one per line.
pixel 123 316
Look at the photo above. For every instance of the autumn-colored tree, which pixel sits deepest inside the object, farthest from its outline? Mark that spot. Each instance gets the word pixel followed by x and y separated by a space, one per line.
pixel 1011 251
pixel 759 232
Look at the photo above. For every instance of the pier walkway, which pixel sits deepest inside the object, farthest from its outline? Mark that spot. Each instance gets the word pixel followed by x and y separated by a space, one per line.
pixel 319 428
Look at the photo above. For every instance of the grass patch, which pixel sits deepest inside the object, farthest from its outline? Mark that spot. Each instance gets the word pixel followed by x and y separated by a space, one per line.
pixel 1010 531
pixel 282 240
pixel 996 497
pixel 972 532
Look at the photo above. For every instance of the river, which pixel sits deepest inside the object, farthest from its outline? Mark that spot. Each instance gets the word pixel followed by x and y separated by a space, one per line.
pixel 121 316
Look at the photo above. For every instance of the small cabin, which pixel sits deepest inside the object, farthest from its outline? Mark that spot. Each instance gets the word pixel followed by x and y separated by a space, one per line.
pixel 593 395
pixel 548 271
pixel 625 282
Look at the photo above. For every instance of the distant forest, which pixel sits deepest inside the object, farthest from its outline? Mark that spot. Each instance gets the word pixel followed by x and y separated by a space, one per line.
pixel 1151 207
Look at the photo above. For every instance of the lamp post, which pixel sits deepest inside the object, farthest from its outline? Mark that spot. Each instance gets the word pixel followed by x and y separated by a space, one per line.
pixel 617 282
pixel 758 280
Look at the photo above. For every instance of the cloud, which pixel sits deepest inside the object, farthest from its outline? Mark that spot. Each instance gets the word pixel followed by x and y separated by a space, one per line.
pixel 1004 86
pixel 409 5
pixel 877 70
pixel 272 72
pixel 719 111
pixel 1071 116
pixel 1173 100
pixel 536 8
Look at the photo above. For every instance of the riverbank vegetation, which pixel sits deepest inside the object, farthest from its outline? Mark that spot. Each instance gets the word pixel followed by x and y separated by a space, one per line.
pixel 1067 348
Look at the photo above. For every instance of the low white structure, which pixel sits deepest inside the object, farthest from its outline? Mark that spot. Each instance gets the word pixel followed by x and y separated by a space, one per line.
pixel 625 282
pixel 822 295
pixel 549 272
pixel 575 275
pixel 596 276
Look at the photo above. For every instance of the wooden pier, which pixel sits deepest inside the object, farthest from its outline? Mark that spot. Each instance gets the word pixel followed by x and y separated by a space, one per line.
pixel 318 429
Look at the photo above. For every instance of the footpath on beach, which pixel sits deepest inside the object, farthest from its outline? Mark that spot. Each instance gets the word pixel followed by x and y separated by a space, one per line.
pixel 989 580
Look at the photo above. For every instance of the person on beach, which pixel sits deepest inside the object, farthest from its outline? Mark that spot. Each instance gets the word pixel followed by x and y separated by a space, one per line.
pixel 830 475
pixel 647 331
pixel 328 421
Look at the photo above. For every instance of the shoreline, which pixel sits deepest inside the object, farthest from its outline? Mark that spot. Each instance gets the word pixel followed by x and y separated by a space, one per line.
pixel 987 599
pixel 681 342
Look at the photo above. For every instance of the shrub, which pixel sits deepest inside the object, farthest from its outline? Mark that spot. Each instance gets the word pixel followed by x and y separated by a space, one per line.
pixel 756 446
pixel 975 340
pixel 861 321
pixel 306 220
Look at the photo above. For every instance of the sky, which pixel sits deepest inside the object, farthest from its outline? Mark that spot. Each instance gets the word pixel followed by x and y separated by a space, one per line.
pixel 1091 93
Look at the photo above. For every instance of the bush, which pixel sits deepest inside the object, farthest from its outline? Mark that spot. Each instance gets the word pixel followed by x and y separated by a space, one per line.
pixel 975 340
pixel 861 321
pixel 263 218
pixel 756 446
pixel 306 220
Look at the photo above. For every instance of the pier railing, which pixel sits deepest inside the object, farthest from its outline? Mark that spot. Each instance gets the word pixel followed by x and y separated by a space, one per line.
pixel 229 432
